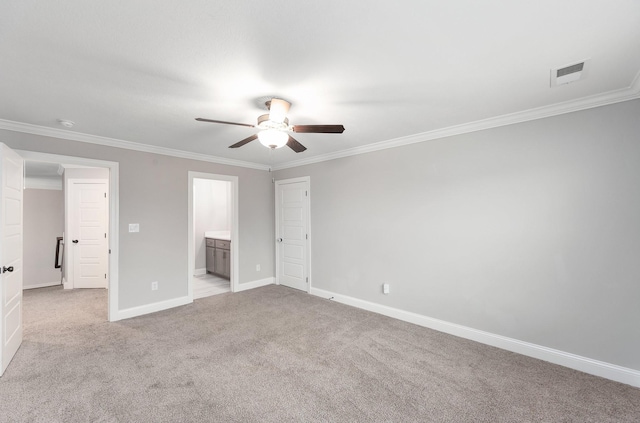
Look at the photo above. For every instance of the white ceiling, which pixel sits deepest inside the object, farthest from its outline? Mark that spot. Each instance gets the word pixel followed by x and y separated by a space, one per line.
pixel 42 175
pixel 42 170
pixel 390 72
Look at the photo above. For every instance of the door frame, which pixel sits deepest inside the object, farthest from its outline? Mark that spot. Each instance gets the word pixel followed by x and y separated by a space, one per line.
pixel 70 215
pixel 191 256
pixel 279 182
pixel 114 216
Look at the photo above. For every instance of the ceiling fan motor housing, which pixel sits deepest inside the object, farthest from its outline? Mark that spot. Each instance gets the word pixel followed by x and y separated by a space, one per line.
pixel 278 109
pixel 264 122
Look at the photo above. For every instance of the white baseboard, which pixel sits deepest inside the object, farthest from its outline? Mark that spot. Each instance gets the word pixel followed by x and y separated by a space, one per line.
pixel 176 302
pixel 200 272
pixel 255 284
pixel 573 361
pixel 41 285
pixel 152 308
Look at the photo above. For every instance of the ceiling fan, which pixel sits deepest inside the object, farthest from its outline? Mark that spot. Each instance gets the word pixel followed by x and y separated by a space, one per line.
pixel 275 125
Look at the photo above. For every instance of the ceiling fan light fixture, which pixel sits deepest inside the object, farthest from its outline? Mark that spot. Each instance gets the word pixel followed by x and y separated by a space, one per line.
pixel 272 138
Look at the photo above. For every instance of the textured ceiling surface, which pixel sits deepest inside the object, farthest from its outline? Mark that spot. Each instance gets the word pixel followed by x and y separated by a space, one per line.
pixel 141 71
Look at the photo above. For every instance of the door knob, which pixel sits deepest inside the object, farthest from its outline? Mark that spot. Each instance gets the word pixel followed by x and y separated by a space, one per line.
pixel 7 269
pixel 75 241
pixel 279 239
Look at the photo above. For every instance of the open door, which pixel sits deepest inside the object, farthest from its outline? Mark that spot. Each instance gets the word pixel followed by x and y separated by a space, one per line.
pixel 11 184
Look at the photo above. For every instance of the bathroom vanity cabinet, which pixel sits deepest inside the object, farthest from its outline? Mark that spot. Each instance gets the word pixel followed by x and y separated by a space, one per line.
pixel 219 257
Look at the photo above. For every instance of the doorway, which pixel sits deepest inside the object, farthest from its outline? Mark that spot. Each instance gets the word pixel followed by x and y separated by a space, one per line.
pixel 293 234
pixel 212 234
pixel 111 170
pixel 65 225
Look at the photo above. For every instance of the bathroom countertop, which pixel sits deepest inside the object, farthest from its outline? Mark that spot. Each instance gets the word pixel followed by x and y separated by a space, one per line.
pixel 225 235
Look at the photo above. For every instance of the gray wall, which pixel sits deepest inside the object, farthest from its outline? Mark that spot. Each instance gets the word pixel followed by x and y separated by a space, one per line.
pixel 43 223
pixel 153 193
pixel 531 231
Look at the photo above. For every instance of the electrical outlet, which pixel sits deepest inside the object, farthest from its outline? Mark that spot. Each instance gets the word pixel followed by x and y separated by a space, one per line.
pixel 257 267
pixel 134 227
pixel 154 285
pixel 385 288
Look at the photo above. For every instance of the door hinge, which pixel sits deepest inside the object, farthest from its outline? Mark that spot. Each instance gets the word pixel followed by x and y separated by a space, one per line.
pixel 306 193
pixel 109 250
pixel 105 276
pixel 105 195
pixel 306 236
pixel 105 234
pixel 307 279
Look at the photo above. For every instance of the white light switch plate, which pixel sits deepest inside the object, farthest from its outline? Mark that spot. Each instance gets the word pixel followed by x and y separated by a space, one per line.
pixel 134 227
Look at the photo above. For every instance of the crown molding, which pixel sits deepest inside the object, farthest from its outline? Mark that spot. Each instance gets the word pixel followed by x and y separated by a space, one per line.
pixel 616 96
pixel 630 93
pixel 128 145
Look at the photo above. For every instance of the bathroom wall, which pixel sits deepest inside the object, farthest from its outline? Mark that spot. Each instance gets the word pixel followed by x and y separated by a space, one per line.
pixel 211 213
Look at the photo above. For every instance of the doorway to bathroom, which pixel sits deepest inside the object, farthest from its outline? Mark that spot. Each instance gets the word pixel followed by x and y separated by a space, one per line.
pixel 212 234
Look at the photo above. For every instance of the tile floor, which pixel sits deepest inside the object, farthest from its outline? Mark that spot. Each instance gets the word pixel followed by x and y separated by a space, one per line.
pixel 207 285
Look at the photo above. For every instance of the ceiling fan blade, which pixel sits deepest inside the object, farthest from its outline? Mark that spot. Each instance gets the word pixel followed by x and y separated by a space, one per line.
pixel 319 129
pixel 244 141
pixel 225 122
pixel 295 145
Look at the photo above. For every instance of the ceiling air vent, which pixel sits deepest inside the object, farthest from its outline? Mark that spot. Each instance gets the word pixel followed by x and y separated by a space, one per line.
pixel 569 73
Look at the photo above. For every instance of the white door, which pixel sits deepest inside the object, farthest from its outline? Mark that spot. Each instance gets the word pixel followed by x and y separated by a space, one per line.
pixel 292 233
pixel 11 165
pixel 88 237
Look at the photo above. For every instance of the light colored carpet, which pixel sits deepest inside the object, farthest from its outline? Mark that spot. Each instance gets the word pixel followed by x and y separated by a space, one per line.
pixel 274 354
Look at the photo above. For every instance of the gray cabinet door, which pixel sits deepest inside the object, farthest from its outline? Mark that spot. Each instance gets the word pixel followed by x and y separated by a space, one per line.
pixel 223 262
pixel 227 263
pixel 211 259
